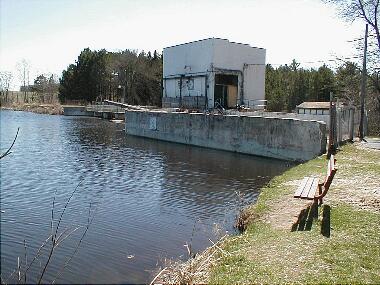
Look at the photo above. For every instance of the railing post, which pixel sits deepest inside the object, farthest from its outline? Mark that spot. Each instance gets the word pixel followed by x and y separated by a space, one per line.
pixel 332 128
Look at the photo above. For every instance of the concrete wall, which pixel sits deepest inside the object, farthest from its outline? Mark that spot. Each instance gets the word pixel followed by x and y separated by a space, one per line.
pixel 76 111
pixel 229 55
pixel 287 139
pixel 194 86
pixel 347 123
pixel 92 111
pixel 190 102
pixel 254 83
pixel 196 56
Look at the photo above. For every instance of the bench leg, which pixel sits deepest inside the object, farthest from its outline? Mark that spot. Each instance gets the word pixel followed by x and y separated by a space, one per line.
pixel 319 193
pixel 314 210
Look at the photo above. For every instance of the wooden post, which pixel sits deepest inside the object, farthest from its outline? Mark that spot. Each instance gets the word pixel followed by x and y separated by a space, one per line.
pixel 363 87
pixel 332 133
pixel 335 131
pixel 351 123
pixel 338 123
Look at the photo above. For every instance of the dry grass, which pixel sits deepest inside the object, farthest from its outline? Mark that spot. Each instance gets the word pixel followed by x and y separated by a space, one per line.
pixel 51 109
pixel 358 181
pixel 194 271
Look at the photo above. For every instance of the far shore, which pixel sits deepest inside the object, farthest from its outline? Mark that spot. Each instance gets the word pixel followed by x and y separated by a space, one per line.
pixel 51 109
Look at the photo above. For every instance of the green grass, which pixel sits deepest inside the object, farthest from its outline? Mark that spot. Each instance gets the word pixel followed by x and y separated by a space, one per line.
pixel 275 189
pixel 265 254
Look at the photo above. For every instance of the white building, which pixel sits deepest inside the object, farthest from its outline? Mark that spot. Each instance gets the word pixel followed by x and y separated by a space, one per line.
pixel 203 73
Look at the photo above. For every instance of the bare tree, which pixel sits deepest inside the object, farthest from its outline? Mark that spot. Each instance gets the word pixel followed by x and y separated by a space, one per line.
pixel 23 68
pixel 367 11
pixel 5 80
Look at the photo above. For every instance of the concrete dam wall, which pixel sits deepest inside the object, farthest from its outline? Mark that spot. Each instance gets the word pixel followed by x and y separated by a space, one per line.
pixel 282 138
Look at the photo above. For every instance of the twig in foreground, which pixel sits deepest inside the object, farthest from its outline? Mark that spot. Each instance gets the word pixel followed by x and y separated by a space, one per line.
pixel 9 149
pixel 89 222
pixel 54 238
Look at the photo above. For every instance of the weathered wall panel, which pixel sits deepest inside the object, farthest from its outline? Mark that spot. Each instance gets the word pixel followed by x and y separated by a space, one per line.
pixel 254 83
pixel 195 56
pixel 287 139
pixel 230 55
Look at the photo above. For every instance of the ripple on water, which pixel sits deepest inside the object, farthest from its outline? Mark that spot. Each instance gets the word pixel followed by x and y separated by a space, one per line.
pixel 148 197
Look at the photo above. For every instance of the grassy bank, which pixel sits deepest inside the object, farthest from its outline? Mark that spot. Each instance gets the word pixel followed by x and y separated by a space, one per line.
pixel 51 109
pixel 342 245
pixel 269 252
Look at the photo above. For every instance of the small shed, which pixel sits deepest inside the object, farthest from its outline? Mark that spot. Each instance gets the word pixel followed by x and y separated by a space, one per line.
pixel 314 108
pixel 213 72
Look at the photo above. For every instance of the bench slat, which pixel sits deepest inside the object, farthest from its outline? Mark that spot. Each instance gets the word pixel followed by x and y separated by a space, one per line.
pixel 313 189
pixel 305 191
pixel 308 188
pixel 300 187
pixel 309 185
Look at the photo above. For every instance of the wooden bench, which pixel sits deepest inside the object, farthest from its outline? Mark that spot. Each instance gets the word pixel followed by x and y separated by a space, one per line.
pixel 310 185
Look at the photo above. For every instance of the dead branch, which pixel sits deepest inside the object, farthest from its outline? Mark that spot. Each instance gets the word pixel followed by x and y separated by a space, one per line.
pixel 9 149
pixel 26 260
pixel 38 254
pixel 89 222
pixel 54 237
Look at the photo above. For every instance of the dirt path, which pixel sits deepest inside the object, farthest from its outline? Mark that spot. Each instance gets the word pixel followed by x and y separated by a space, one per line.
pixel 354 184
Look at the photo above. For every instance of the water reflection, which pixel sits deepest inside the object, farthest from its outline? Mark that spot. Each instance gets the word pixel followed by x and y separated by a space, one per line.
pixel 148 195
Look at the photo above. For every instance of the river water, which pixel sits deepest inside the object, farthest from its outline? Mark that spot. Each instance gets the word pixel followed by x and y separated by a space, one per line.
pixel 145 199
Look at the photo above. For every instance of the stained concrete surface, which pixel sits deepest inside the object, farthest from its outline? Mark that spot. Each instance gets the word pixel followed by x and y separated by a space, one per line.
pixel 373 143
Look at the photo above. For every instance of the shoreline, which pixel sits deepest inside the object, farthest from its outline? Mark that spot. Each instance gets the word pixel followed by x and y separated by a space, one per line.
pixel 50 109
pixel 269 251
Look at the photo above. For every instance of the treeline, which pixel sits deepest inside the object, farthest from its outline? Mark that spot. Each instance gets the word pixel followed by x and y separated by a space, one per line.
pixel 128 76
pixel 136 78
pixel 290 85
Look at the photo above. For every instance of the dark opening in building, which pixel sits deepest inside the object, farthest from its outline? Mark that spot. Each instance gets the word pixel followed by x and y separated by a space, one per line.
pixel 226 90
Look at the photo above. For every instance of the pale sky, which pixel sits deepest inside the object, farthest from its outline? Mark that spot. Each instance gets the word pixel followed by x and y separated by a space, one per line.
pixel 50 34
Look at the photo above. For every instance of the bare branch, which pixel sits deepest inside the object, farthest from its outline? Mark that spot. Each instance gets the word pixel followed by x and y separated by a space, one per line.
pixel 26 260
pixel 38 254
pixel 9 149
pixel 64 209
pixel 89 222
pixel 54 238
pixel 68 235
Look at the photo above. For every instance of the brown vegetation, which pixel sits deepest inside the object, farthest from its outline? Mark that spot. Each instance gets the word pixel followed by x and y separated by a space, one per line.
pixel 51 109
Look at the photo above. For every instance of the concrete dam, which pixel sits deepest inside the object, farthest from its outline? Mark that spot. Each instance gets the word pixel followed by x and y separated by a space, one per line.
pixel 280 138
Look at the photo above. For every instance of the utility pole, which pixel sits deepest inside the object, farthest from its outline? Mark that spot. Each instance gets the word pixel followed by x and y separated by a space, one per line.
pixel 363 87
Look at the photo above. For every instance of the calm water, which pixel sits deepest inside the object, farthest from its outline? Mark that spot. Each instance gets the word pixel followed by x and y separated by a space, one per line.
pixel 148 198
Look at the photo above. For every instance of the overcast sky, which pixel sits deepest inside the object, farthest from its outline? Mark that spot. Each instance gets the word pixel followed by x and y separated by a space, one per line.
pixel 50 34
